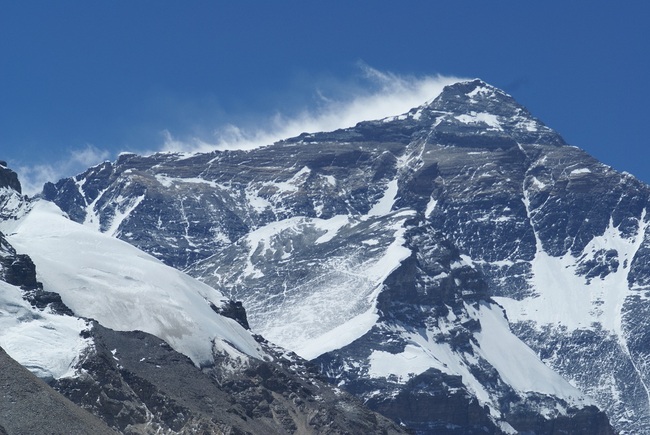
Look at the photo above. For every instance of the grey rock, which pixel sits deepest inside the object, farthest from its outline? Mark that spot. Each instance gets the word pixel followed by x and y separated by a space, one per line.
pixel 29 406
pixel 138 385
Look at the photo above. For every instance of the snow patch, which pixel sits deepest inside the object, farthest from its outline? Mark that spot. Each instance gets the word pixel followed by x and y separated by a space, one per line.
pixel 479 90
pixel 481 117
pixel 385 204
pixel 430 207
pixel 124 208
pixel 563 297
pixel 47 344
pixel 334 304
pixel 421 353
pixel 313 340
pixel 516 363
pixel 331 226
pixel 330 180
pixel 580 171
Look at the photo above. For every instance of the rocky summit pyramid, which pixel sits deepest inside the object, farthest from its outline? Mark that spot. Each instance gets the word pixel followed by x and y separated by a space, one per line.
pixel 458 268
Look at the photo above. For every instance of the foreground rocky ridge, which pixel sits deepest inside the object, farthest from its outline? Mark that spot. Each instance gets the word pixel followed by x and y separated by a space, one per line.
pixel 416 260
pixel 29 405
pixel 138 384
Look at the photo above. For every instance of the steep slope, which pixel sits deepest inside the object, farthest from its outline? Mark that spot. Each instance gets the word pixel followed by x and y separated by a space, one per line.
pixel 173 363
pixel 125 289
pixel 29 405
pixel 405 256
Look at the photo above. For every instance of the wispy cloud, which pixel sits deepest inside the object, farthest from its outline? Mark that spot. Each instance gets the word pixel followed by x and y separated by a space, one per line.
pixel 376 95
pixel 33 177
pixel 380 94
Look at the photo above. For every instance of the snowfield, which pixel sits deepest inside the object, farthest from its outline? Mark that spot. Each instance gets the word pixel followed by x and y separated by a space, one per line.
pixel 47 344
pixel 123 288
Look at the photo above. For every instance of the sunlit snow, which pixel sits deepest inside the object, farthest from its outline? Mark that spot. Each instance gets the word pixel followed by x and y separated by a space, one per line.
pixel 486 118
pixel 331 301
pixel 47 344
pixel 385 204
pixel 563 297
pixel 123 288
pixel 516 363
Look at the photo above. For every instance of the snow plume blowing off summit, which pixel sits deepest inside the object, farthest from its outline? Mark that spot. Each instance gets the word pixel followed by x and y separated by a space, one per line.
pixel 339 104
pixel 379 95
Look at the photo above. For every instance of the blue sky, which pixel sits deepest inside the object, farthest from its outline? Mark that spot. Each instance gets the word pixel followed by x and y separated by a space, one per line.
pixel 81 81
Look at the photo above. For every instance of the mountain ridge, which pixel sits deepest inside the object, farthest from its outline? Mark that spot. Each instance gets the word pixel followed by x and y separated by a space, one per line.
pixel 406 256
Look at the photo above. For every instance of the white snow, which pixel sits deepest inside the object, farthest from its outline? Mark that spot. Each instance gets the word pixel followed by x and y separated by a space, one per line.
pixel 257 202
pixel 123 288
pixel 539 185
pixel 303 173
pixel 528 124
pixel 516 363
pixel 92 217
pixel 353 313
pixel 385 204
pixel 260 239
pixel 412 361
pixel 430 207
pixel 479 90
pixel 330 180
pixel 124 207
pixel 421 353
pixel 564 298
pixel 580 171
pixel 276 190
pixel 480 117
pixel 330 310
pixel 49 345
pixel 331 226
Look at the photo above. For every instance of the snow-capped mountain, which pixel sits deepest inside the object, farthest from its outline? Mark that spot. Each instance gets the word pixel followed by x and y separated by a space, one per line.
pixel 140 344
pixel 458 267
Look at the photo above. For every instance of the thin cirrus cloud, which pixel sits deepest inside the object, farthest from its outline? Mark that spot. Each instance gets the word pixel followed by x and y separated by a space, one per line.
pixel 386 94
pixel 32 178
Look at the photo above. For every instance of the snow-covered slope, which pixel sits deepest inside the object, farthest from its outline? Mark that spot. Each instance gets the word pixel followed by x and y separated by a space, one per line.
pixel 49 345
pixel 123 288
pixel 314 311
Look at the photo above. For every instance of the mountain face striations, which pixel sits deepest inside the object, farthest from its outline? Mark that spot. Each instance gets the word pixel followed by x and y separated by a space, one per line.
pixel 141 345
pixel 458 268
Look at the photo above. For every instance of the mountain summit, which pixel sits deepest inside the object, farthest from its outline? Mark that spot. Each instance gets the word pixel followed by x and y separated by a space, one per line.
pixel 459 267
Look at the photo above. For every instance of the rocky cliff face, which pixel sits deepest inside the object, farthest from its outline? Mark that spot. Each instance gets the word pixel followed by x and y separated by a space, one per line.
pixel 137 384
pixel 458 267
pixel 29 405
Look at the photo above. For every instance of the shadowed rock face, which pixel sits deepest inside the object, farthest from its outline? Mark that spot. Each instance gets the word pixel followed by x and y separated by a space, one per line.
pixel 443 226
pixel 137 384
pixel 29 406
pixel 9 178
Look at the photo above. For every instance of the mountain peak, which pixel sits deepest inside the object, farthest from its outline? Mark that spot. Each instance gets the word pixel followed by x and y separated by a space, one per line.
pixel 9 178
pixel 477 109
pixel 475 95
